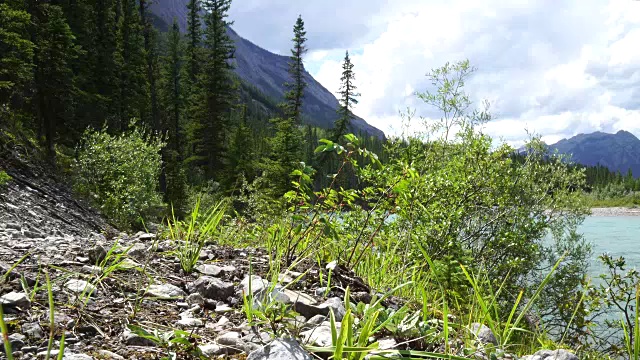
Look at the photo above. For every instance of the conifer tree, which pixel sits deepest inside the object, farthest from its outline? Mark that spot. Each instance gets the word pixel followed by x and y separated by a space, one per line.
pixel 173 106
pixel 241 152
pixel 217 91
pixel 348 98
pixel 194 41
pixel 53 76
pixel 104 69
pixel 150 46
pixel 16 58
pixel 133 85
pixel 286 145
pixel 293 107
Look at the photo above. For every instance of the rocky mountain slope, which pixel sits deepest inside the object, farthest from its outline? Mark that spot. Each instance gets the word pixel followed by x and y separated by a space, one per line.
pixel 268 73
pixel 618 152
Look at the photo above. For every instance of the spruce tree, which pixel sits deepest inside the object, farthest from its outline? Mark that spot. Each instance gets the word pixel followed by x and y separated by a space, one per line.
pixel 241 152
pixel 151 50
pixel 173 106
pixel 295 93
pixel 104 68
pixel 133 85
pixel 348 98
pixel 16 59
pixel 194 41
pixel 53 76
pixel 217 91
pixel 286 145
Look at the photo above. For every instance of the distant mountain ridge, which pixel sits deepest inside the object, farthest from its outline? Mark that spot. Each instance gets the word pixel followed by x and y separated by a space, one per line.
pixel 618 152
pixel 268 72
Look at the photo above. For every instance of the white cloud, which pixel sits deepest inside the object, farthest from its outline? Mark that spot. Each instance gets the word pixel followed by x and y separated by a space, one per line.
pixel 556 68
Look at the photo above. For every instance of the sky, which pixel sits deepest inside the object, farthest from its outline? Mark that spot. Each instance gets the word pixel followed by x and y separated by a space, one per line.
pixel 555 68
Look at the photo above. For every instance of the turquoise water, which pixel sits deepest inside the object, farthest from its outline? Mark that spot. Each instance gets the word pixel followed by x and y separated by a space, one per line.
pixel 616 235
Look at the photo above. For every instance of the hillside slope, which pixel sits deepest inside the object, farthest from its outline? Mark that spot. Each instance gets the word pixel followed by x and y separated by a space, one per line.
pixel 268 73
pixel 618 152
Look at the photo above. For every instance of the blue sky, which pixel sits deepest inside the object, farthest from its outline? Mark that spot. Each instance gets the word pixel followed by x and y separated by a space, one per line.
pixel 556 68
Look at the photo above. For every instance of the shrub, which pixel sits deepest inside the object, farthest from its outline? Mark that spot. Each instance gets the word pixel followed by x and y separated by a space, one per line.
pixel 120 174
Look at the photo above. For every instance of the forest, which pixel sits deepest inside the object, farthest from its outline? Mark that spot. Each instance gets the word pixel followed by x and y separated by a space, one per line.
pixel 153 129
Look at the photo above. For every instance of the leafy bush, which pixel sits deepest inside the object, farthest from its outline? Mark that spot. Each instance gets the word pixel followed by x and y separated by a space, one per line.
pixel 120 174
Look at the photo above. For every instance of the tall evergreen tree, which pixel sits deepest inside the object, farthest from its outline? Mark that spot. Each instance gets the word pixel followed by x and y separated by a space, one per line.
pixel 53 76
pixel 16 59
pixel 217 91
pixel 134 88
pixel 295 93
pixel 173 107
pixel 241 152
pixel 348 98
pixel 151 49
pixel 194 40
pixel 286 145
pixel 104 68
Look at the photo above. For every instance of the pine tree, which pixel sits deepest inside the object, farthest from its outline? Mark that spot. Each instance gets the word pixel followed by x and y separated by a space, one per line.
pixel 16 59
pixel 294 95
pixel 134 88
pixel 241 152
pixel 53 76
pixel 194 41
pixel 348 98
pixel 151 50
pixel 104 69
pixel 173 107
pixel 286 145
pixel 217 91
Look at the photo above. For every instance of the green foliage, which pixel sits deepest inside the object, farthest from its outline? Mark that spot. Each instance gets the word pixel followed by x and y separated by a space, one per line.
pixel 192 236
pixel 174 342
pixel 119 174
pixel 4 178
pixel 16 52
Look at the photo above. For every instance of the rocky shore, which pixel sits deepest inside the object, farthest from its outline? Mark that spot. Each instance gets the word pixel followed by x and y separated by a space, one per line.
pixel 615 211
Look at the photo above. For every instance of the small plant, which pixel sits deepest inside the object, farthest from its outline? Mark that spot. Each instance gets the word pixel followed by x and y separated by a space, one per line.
pixel 5 336
pixel 192 236
pixel 175 342
pixel 4 178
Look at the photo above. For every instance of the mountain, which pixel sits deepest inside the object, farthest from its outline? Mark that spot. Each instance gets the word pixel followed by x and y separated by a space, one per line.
pixel 268 72
pixel 618 152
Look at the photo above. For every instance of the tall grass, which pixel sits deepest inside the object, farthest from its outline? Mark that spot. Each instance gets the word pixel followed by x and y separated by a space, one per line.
pixel 191 236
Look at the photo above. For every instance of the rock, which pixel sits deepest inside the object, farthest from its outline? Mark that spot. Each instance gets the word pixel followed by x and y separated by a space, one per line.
pixel 109 355
pixel 92 269
pixel 334 304
pixel 223 308
pixel 319 336
pixel 135 340
pixel 321 291
pixel 16 340
pixel 258 284
pixel 211 350
pixel 195 299
pixel 208 269
pixel 281 349
pixel 483 333
pixel 560 354
pixel 96 254
pixel 211 288
pixel 77 357
pixel 15 299
pixel 33 331
pixel 145 236
pixel 361 297
pixel 138 251
pixel 80 286
pixel 166 291
pixel 317 320
pixel 232 339
pixel 190 322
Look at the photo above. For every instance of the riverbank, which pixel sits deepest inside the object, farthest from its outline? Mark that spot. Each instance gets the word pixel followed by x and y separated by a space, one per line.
pixel 615 211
